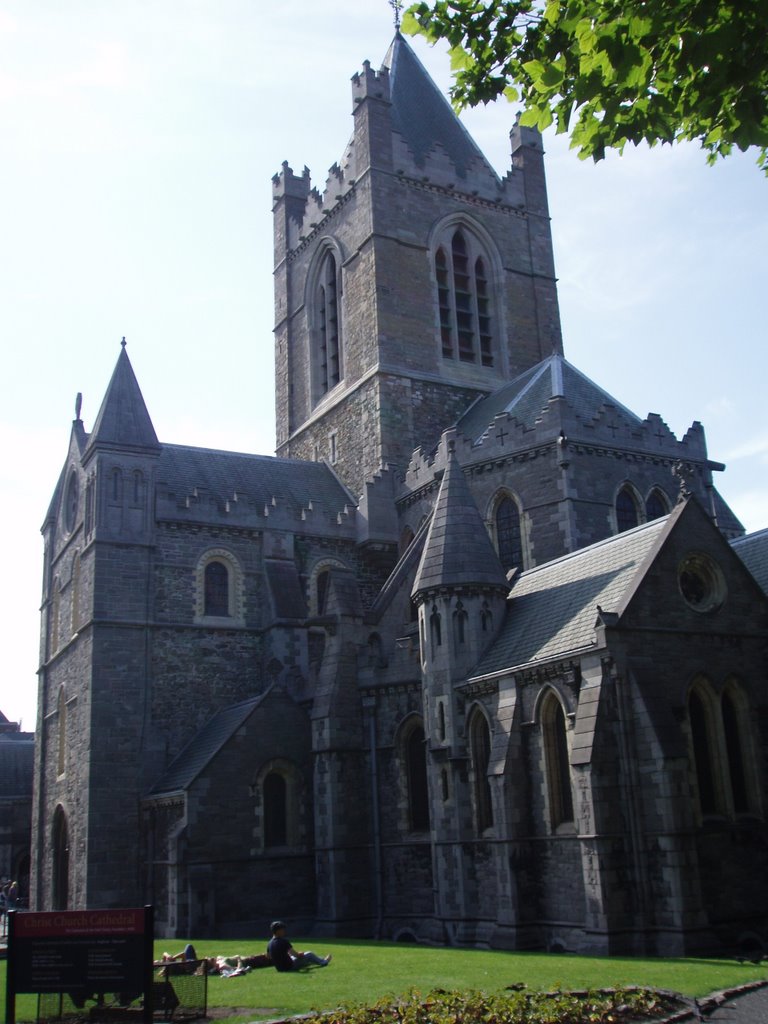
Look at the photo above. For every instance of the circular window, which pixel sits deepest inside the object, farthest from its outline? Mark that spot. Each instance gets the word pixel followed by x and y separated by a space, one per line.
pixel 70 501
pixel 701 583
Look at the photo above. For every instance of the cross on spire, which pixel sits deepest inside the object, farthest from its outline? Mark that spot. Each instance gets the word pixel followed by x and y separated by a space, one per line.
pixel 397 6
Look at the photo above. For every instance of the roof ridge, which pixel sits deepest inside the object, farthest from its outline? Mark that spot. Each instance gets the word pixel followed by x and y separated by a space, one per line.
pixel 640 528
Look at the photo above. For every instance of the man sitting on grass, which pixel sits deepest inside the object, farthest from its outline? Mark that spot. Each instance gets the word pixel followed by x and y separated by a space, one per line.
pixel 284 956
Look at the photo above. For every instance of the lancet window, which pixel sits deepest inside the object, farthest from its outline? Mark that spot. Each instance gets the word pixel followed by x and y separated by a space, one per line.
pixel 464 299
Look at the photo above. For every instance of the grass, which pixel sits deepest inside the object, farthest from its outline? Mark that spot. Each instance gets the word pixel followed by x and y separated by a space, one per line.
pixel 362 972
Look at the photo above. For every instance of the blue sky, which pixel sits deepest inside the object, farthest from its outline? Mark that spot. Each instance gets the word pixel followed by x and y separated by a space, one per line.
pixel 138 144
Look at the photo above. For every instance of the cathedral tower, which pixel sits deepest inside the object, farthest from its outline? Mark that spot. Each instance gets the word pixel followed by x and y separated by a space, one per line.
pixel 416 282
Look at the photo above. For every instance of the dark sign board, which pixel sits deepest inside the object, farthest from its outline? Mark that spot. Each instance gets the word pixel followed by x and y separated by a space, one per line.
pixel 84 953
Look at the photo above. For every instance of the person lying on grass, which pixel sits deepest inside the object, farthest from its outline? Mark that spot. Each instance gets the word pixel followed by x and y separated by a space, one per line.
pixel 285 957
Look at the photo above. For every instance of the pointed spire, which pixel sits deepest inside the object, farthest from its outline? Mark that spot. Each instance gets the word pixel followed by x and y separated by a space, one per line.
pixel 423 116
pixel 123 419
pixel 458 550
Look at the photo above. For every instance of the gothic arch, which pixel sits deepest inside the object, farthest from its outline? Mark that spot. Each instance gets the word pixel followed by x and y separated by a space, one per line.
pixel 323 301
pixel 468 283
pixel 479 736
pixel 410 744
pixel 319 581
pixel 60 844
pixel 657 504
pixel 705 748
pixel 61 746
pixel 552 719
pixel 627 506
pixel 505 521
pixel 219 588
pixel 740 757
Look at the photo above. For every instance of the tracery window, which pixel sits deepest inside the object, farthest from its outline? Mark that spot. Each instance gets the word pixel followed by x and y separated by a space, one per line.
pixel 721 749
pixel 627 515
pixel 557 762
pixel 464 299
pixel 480 757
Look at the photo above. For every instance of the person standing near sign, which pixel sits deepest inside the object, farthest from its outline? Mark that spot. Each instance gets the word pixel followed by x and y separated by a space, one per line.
pixel 12 896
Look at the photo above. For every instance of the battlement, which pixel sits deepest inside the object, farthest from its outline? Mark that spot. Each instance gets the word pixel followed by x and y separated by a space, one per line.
pixel 370 84
pixel 286 183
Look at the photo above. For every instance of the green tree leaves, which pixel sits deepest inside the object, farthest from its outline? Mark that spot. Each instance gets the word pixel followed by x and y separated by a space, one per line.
pixel 609 72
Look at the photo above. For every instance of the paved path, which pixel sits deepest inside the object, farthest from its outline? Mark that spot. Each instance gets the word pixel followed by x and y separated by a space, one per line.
pixel 748 1008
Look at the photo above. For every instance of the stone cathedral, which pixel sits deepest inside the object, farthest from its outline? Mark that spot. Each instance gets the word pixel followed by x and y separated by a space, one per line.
pixel 479 657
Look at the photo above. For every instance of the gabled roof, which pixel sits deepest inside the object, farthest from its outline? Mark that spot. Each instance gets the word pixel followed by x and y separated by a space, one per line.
pixel 458 550
pixel 184 769
pixel 753 551
pixel 423 116
pixel 528 395
pixel 553 608
pixel 123 419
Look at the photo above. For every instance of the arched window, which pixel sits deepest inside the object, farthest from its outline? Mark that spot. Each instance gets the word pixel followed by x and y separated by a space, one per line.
pixel 61 758
pixel 219 589
pixel 486 618
pixel 435 629
pixel 416 779
pixel 116 484
pixel 460 618
pixel 557 762
pixel 480 756
pixel 216 601
pixel 328 337
pixel 734 753
pixel 75 591
pixel 138 487
pixel 279 795
pixel 464 299
pixel 626 510
pixel 509 537
pixel 703 741
pixel 60 852
pixel 55 624
pixel 656 505
pixel 275 796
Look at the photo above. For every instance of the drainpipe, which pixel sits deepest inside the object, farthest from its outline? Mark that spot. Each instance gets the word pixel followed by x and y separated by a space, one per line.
pixel 369 703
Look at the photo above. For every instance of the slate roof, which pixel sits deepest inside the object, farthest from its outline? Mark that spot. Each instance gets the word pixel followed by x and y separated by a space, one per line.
pixel 528 395
pixel 753 551
pixel 257 477
pixel 423 116
pixel 184 769
pixel 123 418
pixel 17 757
pixel 458 550
pixel 553 609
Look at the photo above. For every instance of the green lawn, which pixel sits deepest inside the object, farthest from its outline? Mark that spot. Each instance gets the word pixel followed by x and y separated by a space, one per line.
pixel 365 971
